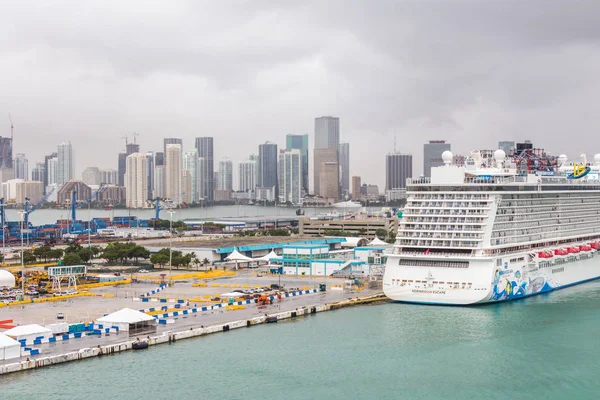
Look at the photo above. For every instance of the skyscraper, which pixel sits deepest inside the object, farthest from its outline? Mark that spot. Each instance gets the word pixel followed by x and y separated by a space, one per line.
pixel 52 171
pixel 159 182
pixel 327 136
pixel 46 169
pixel 186 186
pixel 136 180
pixel 109 177
pixel 130 148
pixel 398 167
pixel 432 155
pixel 168 141
pixel 507 146
pixel 344 160
pixel 329 180
pixel 150 168
pixel 159 158
pixel 327 133
pixel 290 172
pixel 91 176
pixel 247 175
pixel 204 145
pixel 300 142
pixel 6 159
pixel 323 156
pixel 267 167
pixel 173 171
pixel 356 187
pixel 226 175
pixel 39 172
pixel 190 164
pixel 64 171
pixel 21 166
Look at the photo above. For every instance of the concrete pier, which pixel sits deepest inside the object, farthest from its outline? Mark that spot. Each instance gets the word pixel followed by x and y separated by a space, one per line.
pixel 174 336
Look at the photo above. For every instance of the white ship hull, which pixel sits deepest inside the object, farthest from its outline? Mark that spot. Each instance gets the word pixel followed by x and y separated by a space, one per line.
pixel 485 280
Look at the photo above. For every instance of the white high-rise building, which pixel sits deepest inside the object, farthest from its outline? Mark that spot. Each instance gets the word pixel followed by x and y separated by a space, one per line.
pixel 109 177
pixel 247 175
pixel 290 176
pixel 136 180
pixel 53 171
pixel 21 167
pixel 173 172
pixel 225 175
pixel 159 182
pixel 191 164
pixel 64 172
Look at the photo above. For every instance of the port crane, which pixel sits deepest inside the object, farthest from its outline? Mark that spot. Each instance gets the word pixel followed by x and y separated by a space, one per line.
pixel 160 204
pixel 30 209
pixel 77 204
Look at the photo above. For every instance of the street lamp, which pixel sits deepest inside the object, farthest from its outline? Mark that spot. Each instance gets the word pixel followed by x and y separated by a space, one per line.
pixel 22 213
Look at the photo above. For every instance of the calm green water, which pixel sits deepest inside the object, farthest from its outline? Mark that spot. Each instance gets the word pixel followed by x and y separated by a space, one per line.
pixel 543 347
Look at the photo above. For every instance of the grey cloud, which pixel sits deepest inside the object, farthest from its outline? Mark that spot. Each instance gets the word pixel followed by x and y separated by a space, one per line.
pixel 473 72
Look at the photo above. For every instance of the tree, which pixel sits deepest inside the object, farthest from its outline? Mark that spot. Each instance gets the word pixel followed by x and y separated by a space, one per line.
pixel 55 254
pixel 72 259
pixel 29 257
pixel 43 253
pixel 381 233
pixel 159 258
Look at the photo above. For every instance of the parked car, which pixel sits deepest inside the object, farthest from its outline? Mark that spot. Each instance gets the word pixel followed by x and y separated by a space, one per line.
pixel 60 316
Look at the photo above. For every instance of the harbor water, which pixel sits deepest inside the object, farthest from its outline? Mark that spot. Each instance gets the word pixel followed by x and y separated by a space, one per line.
pixel 540 347
pixel 50 216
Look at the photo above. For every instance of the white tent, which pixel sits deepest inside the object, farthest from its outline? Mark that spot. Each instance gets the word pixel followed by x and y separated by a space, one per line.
pixel 127 319
pixel 378 242
pixel 28 332
pixel 6 279
pixel 269 256
pixel 237 256
pixel 9 348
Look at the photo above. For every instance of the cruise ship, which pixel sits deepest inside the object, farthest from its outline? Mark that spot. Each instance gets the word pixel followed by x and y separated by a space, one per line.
pixel 496 228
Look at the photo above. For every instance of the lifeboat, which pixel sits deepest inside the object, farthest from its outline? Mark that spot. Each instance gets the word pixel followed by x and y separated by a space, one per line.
pixel 573 250
pixel 561 252
pixel 595 245
pixel 585 247
pixel 545 254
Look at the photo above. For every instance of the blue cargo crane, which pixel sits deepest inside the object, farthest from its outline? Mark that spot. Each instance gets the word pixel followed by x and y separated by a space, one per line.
pixel 28 210
pixel 160 205
pixel 75 204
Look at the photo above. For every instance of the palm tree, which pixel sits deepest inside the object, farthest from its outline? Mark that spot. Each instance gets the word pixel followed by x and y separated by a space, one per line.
pixel 205 262
pixel 195 260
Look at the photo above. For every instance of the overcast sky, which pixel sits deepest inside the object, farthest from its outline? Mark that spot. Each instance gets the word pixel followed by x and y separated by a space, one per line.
pixel 472 72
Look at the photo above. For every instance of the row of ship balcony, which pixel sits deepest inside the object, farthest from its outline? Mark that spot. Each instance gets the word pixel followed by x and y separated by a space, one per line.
pixel 438 243
pixel 441 228
pixel 446 219
pixel 438 211
pixel 548 202
pixel 450 197
pixel 545 236
pixel 536 228
pixel 437 204
pixel 559 227
pixel 454 236
pixel 523 222
pixel 539 216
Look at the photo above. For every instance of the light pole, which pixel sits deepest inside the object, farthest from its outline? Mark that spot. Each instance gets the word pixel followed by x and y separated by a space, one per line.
pixel 90 231
pixel 22 256
pixel 170 244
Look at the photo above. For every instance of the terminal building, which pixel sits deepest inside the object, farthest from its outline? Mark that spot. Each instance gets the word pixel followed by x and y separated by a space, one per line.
pixel 363 227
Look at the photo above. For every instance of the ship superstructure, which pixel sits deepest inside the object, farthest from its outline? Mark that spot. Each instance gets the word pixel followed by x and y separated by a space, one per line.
pixel 492 230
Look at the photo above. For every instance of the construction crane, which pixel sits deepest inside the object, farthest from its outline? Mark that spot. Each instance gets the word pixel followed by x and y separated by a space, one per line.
pixel 160 205
pixel 135 135
pixel 28 210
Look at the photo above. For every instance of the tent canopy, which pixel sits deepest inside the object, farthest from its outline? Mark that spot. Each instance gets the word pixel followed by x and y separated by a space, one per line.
pixel 237 256
pixel 126 316
pixel 269 256
pixel 7 341
pixel 6 278
pixel 28 330
pixel 377 242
